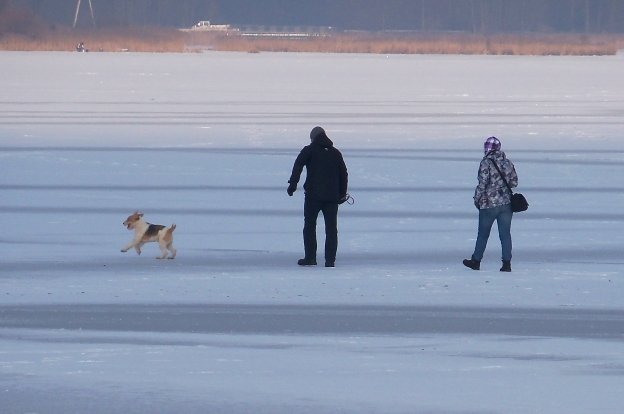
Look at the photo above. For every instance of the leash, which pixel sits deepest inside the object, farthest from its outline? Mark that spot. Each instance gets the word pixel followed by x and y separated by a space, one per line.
pixel 348 199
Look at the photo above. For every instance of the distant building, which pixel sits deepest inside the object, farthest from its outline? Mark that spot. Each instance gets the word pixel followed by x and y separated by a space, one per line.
pixel 287 31
pixel 206 26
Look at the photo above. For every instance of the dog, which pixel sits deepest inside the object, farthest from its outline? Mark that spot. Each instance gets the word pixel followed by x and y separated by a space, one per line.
pixel 145 232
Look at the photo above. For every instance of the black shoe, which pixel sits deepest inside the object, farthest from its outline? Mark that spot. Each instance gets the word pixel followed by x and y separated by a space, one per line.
pixel 306 262
pixel 330 264
pixel 473 264
pixel 506 266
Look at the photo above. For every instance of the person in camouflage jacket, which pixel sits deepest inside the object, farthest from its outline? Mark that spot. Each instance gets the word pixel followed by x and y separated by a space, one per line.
pixel 493 199
pixel 491 190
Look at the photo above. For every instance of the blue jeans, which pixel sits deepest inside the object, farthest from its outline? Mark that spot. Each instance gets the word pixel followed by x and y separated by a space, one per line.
pixel 502 215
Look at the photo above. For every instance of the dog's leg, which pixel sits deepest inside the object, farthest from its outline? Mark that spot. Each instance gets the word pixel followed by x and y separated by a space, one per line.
pixel 128 247
pixel 172 250
pixel 137 247
pixel 163 249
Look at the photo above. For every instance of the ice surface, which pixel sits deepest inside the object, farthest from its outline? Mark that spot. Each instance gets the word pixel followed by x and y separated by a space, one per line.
pixel 232 325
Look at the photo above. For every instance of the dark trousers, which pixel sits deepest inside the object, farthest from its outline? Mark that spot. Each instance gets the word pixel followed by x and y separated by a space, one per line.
pixel 311 209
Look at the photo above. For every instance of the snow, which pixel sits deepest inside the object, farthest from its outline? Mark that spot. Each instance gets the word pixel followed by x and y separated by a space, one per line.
pixel 233 325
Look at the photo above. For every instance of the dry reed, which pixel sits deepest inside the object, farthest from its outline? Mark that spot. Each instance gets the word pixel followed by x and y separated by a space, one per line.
pixel 171 40
pixel 431 44
pixel 104 40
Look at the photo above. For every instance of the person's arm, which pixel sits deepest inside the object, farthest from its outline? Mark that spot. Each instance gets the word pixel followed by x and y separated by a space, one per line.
pixel 512 177
pixel 344 178
pixel 300 162
pixel 483 176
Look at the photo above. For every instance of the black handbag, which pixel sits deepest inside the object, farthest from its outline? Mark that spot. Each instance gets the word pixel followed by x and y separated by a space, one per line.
pixel 518 201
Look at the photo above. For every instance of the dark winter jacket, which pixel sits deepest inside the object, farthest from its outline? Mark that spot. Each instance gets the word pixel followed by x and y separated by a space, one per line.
pixel 491 190
pixel 326 172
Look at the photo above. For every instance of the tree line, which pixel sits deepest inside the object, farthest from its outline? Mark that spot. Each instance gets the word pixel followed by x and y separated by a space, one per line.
pixel 476 16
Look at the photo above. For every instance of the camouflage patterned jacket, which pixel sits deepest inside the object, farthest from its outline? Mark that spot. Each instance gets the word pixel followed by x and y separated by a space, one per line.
pixel 491 190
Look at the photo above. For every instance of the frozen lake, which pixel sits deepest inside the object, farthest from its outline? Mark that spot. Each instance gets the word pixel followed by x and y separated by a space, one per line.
pixel 233 325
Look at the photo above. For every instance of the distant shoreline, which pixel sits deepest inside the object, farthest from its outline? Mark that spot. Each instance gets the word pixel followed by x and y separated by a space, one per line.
pixel 161 40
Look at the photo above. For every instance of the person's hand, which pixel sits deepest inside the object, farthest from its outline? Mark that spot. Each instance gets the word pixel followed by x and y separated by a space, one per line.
pixel 292 187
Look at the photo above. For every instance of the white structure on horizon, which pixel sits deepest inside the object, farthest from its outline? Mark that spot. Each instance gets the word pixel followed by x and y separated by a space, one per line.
pixel 206 26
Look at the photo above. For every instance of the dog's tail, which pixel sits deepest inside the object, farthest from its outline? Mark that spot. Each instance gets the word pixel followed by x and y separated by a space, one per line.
pixel 171 229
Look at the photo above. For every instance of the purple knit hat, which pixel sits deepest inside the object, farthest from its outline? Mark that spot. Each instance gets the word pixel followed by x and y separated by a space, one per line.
pixel 491 144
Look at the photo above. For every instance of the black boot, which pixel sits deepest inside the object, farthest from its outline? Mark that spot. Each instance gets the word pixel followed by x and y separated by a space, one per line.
pixel 306 262
pixel 330 263
pixel 473 264
pixel 506 266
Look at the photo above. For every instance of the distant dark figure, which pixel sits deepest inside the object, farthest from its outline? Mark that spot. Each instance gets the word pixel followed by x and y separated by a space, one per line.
pixel 493 200
pixel 325 187
pixel 80 47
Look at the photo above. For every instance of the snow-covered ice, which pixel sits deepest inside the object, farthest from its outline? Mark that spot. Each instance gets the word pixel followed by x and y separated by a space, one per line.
pixel 233 325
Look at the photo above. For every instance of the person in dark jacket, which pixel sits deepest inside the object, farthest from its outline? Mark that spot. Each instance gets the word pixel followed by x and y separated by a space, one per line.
pixel 493 200
pixel 325 187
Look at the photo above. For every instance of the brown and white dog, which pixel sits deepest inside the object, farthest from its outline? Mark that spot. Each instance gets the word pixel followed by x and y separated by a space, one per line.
pixel 145 232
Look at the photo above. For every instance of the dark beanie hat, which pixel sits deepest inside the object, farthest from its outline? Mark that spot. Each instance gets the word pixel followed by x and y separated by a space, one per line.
pixel 316 131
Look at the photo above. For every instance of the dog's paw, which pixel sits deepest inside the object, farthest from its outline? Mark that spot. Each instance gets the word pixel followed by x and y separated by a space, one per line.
pixel 124 250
